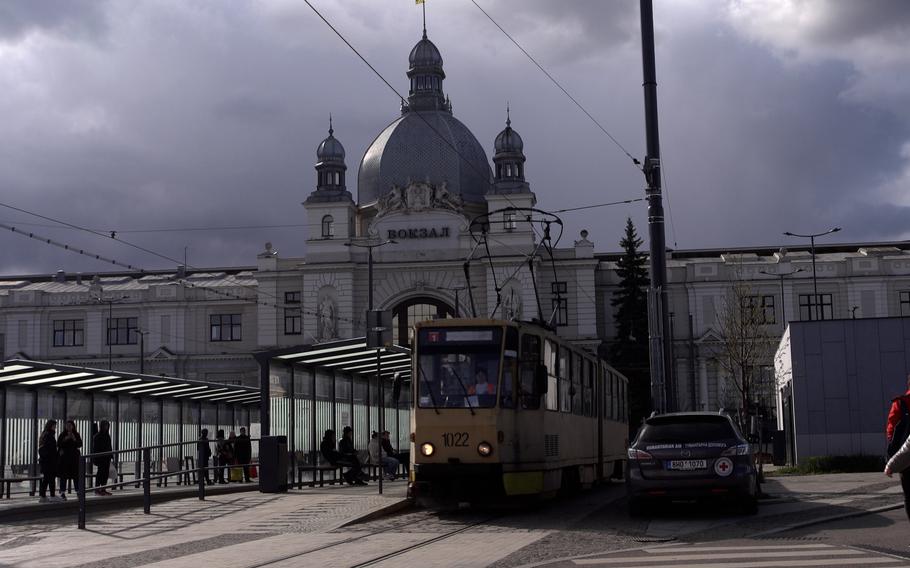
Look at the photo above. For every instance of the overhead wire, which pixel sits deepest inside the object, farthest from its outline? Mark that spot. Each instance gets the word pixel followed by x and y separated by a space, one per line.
pixel 561 88
pixel 588 114
pixel 183 282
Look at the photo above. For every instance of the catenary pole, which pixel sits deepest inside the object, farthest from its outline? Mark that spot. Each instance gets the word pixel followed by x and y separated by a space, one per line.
pixel 662 388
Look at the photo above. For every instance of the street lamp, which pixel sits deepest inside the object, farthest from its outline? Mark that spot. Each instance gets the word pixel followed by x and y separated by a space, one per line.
pixel 811 238
pixel 370 247
pixel 783 304
pixel 110 318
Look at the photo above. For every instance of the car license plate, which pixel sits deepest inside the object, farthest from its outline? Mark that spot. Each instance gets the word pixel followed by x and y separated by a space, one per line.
pixel 687 465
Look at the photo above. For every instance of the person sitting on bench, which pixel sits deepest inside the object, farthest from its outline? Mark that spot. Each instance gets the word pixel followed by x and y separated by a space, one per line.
pixel 341 459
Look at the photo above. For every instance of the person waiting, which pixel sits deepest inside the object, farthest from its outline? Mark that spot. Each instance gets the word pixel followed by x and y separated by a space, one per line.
pixel 378 456
pixel 243 451
pixel 68 444
pixel 223 457
pixel 402 457
pixel 336 458
pixel 101 444
pixel 205 452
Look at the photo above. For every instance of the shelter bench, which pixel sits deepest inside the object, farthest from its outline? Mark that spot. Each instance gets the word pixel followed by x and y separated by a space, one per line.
pixel 321 469
pixel 8 482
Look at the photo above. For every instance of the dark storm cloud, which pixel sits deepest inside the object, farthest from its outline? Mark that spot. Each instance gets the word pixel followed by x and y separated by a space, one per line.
pixel 208 114
pixel 79 18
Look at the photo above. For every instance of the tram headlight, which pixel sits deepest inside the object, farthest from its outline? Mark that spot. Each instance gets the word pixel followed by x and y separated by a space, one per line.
pixel 484 449
pixel 427 449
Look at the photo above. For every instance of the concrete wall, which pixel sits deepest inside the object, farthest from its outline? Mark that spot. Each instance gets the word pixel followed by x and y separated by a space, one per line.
pixel 844 374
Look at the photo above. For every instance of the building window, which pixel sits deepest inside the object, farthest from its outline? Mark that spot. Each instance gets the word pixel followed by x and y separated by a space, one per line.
pixel 809 310
pixel 293 320
pixel 560 304
pixel 508 221
pixel 225 327
pixel 905 303
pixel 123 331
pixel 69 333
pixel 328 227
pixel 758 309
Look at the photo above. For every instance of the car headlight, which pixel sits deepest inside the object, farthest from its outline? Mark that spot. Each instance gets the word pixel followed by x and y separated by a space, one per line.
pixel 427 449
pixel 484 449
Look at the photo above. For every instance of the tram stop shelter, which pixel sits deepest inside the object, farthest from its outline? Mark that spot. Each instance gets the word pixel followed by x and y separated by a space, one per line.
pixel 143 410
pixel 309 389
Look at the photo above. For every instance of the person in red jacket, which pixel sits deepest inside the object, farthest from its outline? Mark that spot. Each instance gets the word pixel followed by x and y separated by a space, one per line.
pixel 894 416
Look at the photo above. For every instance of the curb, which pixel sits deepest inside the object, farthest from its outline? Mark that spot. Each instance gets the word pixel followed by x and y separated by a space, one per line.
pixel 34 510
pixel 386 510
pixel 827 519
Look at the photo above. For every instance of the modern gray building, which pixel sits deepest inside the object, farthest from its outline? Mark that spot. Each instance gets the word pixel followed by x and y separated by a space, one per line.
pixel 835 383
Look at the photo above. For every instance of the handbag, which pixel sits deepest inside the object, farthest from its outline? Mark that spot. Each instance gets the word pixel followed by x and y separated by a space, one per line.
pixel 235 474
pixel 112 472
pixel 253 471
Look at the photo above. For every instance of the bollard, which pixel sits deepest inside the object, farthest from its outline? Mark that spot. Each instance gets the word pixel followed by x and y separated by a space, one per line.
pixel 80 491
pixel 202 472
pixel 147 481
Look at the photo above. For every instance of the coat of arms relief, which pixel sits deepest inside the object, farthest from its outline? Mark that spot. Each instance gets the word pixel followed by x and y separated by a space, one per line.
pixel 418 196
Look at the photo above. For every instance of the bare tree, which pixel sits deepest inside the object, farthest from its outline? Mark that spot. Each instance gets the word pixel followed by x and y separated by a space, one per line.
pixel 745 344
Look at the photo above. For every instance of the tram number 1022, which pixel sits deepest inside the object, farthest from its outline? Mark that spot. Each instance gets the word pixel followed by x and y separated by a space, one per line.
pixel 455 439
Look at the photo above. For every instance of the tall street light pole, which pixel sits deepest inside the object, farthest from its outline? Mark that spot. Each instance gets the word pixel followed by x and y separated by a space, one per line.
pixel 370 246
pixel 783 304
pixel 811 238
pixel 662 388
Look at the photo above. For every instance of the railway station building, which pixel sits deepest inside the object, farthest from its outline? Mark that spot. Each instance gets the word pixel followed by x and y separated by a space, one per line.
pixel 420 183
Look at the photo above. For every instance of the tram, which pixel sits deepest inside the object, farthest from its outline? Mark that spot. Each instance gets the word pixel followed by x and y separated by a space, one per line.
pixel 507 409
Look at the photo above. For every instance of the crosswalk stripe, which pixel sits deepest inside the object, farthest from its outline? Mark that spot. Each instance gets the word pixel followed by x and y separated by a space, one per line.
pixel 724 556
pixel 765 563
pixel 667 549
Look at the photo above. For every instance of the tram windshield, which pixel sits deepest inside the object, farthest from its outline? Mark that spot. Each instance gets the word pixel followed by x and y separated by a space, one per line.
pixel 458 367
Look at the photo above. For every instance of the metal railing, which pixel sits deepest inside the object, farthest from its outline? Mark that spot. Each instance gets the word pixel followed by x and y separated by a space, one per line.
pixel 148 475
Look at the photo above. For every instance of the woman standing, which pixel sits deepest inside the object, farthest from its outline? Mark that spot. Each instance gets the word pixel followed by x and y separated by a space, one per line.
pixel 68 445
pixel 47 454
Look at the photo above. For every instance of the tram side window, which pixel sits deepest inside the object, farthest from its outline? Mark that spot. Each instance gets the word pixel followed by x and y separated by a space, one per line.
pixel 577 386
pixel 509 369
pixel 589 386
pixel 565 385
pixel 530 359
pixel 550 359
pixel 608 384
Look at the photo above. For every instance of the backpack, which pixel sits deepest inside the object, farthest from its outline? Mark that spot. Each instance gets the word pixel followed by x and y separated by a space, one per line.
pixel 901 429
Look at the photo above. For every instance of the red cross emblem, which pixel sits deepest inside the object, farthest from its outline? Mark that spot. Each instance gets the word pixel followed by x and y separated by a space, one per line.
pixel 723 467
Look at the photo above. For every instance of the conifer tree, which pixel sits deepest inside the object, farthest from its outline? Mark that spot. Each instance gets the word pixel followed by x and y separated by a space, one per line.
pixel 629 351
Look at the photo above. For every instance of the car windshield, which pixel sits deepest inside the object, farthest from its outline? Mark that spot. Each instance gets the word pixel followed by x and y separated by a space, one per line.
pixel 686 429
pixel 458 368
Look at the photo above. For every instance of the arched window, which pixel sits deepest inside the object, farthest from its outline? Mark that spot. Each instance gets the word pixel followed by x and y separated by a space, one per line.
pixel 414 310
pixel 328 227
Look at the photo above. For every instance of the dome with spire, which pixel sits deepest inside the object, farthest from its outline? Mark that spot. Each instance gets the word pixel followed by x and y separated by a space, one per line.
pixel 330 149
pixel 425 54
pixel 508 140
pixel 426 142
pixel 509 161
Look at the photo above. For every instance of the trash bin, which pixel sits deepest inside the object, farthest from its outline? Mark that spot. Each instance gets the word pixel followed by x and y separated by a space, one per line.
pixel 273 464
pixel 779 452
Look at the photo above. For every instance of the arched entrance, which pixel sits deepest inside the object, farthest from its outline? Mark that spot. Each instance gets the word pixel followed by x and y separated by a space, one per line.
pixel 414 310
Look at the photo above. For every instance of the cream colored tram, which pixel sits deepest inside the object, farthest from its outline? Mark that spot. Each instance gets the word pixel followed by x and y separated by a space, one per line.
pixel 508 409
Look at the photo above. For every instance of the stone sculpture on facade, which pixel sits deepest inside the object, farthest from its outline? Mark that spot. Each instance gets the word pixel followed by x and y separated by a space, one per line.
pixel 326 320
pixel 511 305
pixel 418 196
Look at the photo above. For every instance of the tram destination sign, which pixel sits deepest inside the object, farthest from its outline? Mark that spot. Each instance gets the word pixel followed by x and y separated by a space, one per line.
pixel 419 233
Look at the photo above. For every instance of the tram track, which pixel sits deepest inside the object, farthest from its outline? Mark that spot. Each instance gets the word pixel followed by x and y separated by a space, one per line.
pixel 383 557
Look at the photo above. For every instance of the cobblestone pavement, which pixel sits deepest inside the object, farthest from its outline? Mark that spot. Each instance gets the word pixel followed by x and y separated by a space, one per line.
pixel 252 530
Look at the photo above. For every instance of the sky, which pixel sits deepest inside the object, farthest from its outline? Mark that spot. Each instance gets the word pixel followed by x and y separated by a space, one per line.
pixel 775 115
